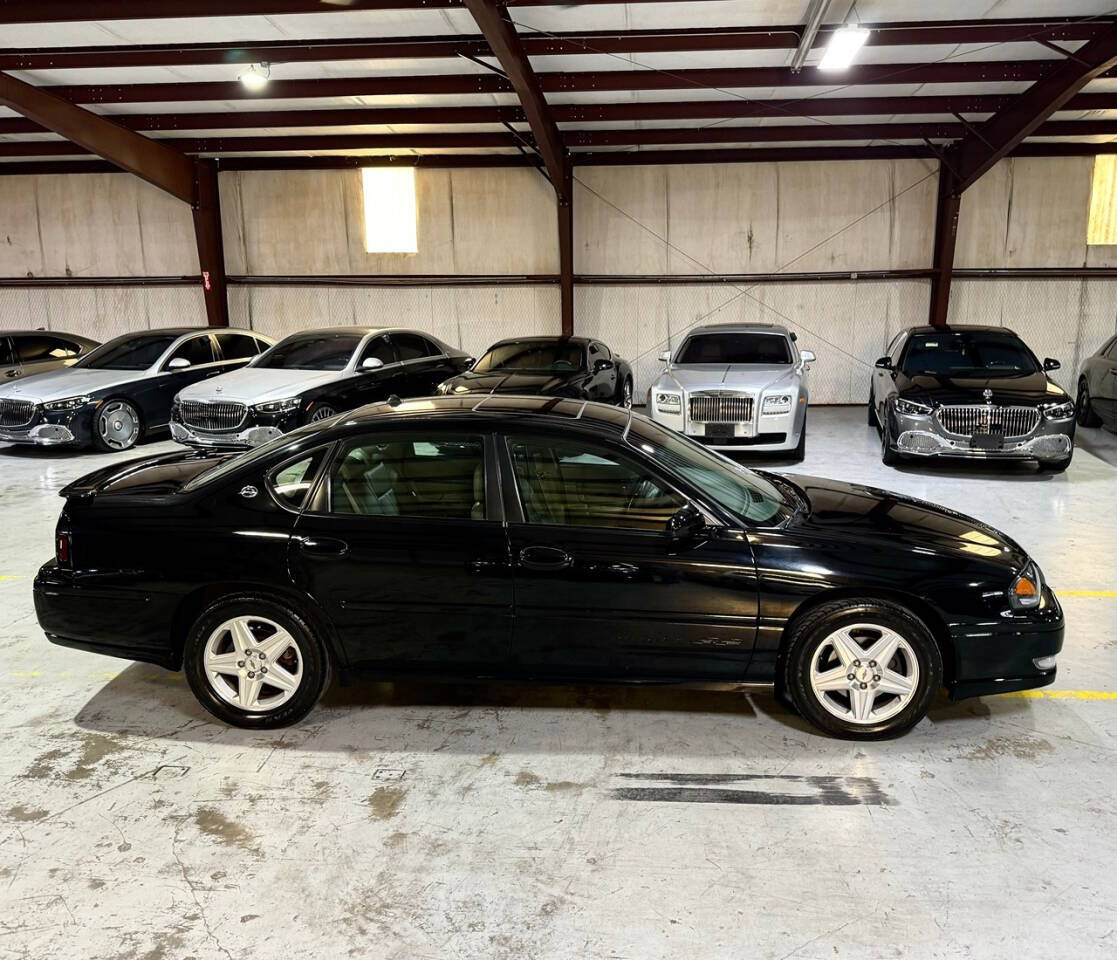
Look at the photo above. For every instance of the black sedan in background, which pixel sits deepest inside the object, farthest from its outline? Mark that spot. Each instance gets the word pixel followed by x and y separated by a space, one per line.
pixel 1097 388
pixel 969 391
pixel 122 391
pixel 540 538
pixel 310 376
pixel 573 367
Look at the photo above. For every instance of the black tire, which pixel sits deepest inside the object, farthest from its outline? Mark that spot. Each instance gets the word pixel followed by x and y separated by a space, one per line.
pixel 808 638
pixel 888 456
pixel 1084 408
pixel 625 398
pixel 801 447
pixel 310 659
pixel 320 410
pixel 872 418
pixel 107 437
pixel 1055 466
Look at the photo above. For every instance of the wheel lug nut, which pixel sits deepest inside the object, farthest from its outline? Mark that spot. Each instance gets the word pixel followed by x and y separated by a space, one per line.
pixel 263 670
pixel 872 663
pixel 857 663
pixel 876 678
pixel 252 676
pixel 240 663
pixel 262 656
pixel 864 686
pixel 849 676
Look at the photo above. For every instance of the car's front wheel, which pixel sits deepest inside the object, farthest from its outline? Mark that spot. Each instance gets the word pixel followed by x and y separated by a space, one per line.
pixel 888 456
pixel 255 663
pixel 320 410
pixel 116 425
pixel 862 669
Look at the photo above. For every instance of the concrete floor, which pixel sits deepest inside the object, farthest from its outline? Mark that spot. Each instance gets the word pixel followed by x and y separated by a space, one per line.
pixel 522 822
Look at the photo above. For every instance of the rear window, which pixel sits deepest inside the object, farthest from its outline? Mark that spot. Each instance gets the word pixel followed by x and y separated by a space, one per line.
pixel 735 348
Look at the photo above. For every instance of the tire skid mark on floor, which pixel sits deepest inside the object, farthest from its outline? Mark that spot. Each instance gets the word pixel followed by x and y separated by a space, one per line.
pixel 767 789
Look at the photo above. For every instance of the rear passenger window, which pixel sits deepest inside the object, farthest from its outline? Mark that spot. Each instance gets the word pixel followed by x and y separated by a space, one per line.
pixel 37 349
pixel 197 350
pixel 401 476
pixel 411 346
pixel 236 346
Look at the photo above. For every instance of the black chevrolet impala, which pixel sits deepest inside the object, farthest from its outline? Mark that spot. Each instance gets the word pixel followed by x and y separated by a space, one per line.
pixel 545 539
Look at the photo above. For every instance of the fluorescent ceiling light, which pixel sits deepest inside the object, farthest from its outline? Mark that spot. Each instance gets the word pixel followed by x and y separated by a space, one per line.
pixel 391 214
pixel 256 76
pixel 842 48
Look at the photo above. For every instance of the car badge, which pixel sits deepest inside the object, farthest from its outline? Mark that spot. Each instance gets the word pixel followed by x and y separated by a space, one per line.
pixel 988 395
pixel 218 390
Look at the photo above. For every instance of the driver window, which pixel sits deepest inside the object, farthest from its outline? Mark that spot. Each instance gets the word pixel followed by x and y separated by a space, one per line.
pixel 581 484
pixel 197 350
pixel 381 348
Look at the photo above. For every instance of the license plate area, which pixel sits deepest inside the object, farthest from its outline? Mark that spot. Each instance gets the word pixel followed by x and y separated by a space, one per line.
pixel 720 430
pixel 987 441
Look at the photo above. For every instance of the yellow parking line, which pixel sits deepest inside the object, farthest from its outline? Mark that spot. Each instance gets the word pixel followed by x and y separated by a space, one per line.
pixel 1086 593
pixel 1063 694
pixel 7 576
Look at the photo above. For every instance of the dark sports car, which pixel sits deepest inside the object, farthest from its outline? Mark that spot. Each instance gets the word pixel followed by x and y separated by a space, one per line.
pixel 969 391
pixel 310 376
pixel 540 538
pixel 121 392
pixel 574 367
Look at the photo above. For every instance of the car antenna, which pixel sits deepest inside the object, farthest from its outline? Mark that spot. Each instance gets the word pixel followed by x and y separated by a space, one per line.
pixel 394 400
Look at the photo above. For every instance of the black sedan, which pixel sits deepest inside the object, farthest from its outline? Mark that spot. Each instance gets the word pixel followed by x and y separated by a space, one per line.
pixel 573 367
pixel 973 392
pixel 121 392
pixel 1097 388
pixel 311 376
pixel 540 538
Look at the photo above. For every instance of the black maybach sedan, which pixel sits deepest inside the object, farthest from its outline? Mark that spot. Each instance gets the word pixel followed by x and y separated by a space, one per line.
pixel 577 368
pixel 544 539
pixel 970 392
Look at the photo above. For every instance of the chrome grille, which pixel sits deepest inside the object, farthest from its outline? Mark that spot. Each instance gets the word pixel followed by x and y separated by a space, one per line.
pixel 16 413
pixel 214 416
pixel 720 408
pixel 987 418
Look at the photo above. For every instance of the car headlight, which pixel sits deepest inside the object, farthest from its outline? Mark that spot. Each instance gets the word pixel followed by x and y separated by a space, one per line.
pixel 776 404
pixel 1026 589
pixel 669 402
pixel 70 403
pixel 285 405
pixel 911 408
pixel 1059 411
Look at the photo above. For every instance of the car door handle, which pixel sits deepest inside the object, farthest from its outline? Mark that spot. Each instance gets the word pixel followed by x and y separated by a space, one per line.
pixel 545 558
pixel 324 547
pixel 13 373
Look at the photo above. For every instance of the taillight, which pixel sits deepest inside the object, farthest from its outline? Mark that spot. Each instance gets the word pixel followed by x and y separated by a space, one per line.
pixel 62 549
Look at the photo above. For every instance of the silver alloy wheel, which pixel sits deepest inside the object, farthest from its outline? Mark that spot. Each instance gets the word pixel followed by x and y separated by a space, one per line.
pixel 322 413
pixel 626 394
pixel 118 425
pixel 253 663
pixel 864 673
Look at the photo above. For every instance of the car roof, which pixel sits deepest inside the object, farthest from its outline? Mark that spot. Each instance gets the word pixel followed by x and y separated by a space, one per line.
pixel 962 328
pixel 488 406
pixel 358 331
pixel 46 333
pixel 581 341
pixel 741 327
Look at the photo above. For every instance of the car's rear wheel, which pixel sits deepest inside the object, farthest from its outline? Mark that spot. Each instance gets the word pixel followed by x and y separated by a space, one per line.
pixel 862 669
pixel 255 663
pixel 116 426
pixel 1086 415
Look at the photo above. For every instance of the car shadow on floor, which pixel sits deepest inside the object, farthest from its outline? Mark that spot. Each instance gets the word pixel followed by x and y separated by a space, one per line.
pixel 424 716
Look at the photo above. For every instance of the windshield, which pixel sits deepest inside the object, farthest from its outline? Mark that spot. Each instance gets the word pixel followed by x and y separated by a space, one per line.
pixel 965 353
pixel 735 348
pixel 318 351
pixel 745 494
pixel 227 465
pixel 531 355
pixel 133 351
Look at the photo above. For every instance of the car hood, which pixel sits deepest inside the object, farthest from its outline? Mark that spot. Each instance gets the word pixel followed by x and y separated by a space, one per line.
pixel 1032 388
pixel 69 382
pixel 850 511
pixel 259 384
pixel 504 382
pixel 753 377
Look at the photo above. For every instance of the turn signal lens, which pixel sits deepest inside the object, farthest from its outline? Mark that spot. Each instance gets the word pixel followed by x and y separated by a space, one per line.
pixel 1026 589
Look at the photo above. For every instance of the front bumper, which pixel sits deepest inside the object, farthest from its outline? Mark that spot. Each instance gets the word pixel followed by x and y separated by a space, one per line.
pixel 763 433
pixel 924 436
pixel 1000 656
pixel 68 428
pixel 257 429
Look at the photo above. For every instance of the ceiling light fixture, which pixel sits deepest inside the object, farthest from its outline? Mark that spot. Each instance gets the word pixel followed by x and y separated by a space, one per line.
pixel 256 77
pixel 842 48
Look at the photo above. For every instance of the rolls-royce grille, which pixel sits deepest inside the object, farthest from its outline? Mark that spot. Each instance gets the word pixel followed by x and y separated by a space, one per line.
pixel 986 418
pixel 712 408
pixel 216 416
pixel 16 413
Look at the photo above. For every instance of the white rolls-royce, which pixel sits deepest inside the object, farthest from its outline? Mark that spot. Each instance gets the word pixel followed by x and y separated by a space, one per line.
pixel 736 386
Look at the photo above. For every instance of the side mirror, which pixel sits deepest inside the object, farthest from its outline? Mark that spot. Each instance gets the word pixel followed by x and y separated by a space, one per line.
pixel 599 365
pixel 806 356
pixel 686 525
pixel 665 356
pixel 371 363
pixel 884 363
pixel 178 363
pixel 1050 364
